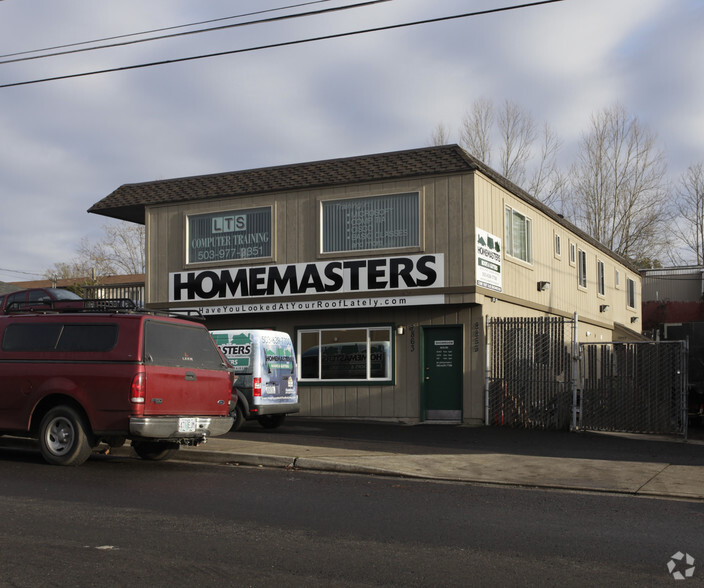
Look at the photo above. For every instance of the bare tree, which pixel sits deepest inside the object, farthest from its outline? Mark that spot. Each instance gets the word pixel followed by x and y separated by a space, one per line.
pixel 517 130
pixel 514 131
pixel 548 183
pixel 476 130
pixel 120 251
pixel 619 185
pixel 440 136
pixel 690 222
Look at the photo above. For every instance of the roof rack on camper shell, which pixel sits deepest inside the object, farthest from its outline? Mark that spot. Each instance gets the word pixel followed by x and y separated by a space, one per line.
pixel 112 305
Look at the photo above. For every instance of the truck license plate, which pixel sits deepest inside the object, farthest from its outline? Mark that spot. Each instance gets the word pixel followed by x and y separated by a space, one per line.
pixel 186 425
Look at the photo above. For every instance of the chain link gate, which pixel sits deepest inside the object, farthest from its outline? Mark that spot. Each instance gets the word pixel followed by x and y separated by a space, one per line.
pixel 639 387
pixel 529 372
pixel 538 377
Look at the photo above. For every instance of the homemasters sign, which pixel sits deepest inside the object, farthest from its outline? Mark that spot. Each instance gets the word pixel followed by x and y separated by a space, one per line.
pixel 382 274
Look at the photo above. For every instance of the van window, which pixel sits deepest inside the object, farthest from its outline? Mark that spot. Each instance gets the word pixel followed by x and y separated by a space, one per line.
pixel 59 337
pixel 175 345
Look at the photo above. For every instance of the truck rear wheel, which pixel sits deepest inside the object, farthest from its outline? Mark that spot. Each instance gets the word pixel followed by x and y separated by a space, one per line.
pixel 238 415
pixel 64 438
pixel 154 450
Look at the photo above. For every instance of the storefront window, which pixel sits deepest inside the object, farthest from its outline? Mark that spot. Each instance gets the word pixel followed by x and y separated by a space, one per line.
pixel 226 236
pixel 345 354
pixel 373 222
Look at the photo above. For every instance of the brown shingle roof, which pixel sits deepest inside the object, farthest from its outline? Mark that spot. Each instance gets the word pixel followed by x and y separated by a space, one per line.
pixel 128 201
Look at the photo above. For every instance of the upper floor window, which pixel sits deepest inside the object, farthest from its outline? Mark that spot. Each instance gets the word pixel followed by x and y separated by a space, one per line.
pixel 519 235
pixel 558 245
pixel 600 281
pixel 582 268
pixel 573 254
pixel 372 222
pixel 631 293
pixel 226 236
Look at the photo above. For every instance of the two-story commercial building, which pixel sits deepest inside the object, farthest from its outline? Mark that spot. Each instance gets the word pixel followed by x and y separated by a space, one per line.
pixel 383 268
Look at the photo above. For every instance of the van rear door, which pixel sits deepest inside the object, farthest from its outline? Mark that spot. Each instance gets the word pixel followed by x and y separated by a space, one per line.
pixel 185 373
pixel 278 375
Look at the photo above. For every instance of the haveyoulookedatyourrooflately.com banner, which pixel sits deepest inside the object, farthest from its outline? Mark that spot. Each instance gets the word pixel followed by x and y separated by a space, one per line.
pixel 375 276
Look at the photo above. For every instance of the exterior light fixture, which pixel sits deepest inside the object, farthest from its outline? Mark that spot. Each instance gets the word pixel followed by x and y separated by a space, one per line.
pixel 400 330
pixel 543 286
pixel 604 308
pixel 634 319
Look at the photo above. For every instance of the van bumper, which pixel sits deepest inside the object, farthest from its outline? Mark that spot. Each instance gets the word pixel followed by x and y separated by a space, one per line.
pixel 168 427
pixel 277 408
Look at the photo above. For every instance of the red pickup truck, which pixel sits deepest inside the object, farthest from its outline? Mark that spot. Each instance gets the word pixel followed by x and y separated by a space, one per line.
pixel 75 380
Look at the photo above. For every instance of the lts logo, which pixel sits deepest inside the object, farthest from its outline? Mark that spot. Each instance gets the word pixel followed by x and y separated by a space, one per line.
pixel 229 224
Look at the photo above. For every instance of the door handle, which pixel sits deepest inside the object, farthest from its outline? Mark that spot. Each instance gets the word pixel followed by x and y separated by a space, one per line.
pixel 190 377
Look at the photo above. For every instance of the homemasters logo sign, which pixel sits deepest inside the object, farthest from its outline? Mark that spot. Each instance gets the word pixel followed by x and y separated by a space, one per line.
pixel 488 261
pixel 354 275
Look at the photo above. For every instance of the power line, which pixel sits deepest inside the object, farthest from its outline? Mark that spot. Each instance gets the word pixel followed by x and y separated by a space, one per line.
pixel 282 44
pixel 9 271
pixel 208 30
pixel 159 30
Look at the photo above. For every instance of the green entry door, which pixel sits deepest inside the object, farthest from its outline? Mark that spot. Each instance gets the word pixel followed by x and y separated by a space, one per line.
pixel 442 373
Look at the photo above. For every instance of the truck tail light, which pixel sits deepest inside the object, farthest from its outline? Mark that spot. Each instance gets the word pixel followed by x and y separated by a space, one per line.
pixel 257 387
pixel 138 391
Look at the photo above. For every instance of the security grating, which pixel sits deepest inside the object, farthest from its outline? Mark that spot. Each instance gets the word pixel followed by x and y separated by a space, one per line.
pixel 635 387
pixel 529 373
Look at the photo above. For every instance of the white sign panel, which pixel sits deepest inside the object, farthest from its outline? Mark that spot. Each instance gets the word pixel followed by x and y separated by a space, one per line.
pixel 378 274
pixel 341 304
pixel 488 261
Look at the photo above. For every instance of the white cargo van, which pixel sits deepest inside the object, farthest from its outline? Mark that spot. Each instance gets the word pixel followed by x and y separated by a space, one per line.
pixel 266 383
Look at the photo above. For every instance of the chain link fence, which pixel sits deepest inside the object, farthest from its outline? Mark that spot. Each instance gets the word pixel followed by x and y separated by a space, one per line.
pixel 537 378
pixel 636 387
pixel 529 373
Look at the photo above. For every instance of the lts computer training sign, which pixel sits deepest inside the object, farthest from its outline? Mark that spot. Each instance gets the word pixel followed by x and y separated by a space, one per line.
pixel 223 236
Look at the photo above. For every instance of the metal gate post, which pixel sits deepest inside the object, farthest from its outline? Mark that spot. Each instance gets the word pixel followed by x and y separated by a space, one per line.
pixel 684 383
pixel 487 372
pixel 575 370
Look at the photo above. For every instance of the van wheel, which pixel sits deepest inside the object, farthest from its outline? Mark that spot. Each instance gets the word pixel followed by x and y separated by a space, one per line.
pixel 64 438
pixel 238 415
pixel 271 421
pixel 154 450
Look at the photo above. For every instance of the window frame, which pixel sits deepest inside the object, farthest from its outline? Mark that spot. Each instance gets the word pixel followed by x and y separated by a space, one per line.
pixel 600 278
pixel 631 293
pixel 215 259
pixel 510 214
pixel 582 270
pixel 389 360
pixel 417 229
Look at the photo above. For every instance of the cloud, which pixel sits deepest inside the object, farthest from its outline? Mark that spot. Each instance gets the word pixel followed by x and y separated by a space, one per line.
pixel 67 144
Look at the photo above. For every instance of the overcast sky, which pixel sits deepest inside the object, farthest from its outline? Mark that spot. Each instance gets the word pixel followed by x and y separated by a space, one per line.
pixel 68 143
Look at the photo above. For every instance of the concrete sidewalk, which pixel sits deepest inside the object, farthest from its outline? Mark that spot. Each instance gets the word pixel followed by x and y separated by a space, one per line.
pixel 664 470
pixel 642 465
